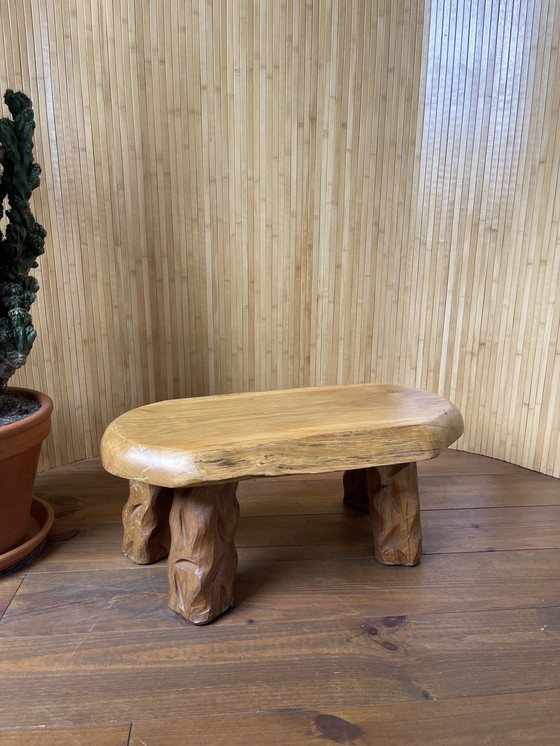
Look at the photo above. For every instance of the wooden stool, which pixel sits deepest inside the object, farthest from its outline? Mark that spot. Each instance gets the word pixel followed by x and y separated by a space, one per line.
pixel 185 457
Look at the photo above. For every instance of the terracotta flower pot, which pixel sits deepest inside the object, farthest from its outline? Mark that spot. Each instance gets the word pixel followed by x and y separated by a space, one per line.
pixel 20 445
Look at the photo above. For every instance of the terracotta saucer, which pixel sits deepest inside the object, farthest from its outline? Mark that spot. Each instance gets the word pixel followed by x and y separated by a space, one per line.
pixel 40 522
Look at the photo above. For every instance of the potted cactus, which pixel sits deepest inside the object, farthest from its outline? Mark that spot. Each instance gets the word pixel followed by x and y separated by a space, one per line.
pixel 24 414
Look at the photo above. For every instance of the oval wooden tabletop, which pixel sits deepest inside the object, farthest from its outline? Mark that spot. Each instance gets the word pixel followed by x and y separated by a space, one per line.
pixel 296 431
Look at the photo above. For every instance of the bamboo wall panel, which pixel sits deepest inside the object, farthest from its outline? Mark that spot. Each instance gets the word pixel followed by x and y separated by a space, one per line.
pixel 258 194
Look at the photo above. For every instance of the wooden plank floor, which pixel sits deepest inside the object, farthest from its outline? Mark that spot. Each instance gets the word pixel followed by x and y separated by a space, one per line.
pixel 324 644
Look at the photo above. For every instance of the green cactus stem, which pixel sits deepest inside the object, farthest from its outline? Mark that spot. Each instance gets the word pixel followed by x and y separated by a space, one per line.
pixel 23 239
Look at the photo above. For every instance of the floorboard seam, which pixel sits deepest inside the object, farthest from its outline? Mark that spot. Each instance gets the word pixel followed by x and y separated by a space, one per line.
pixel 12 598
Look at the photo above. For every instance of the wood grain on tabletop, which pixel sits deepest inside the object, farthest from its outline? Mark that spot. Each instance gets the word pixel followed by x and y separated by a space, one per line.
pixel 187 441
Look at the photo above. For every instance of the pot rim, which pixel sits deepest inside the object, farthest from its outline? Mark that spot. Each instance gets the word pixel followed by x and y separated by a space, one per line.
pixel 26 423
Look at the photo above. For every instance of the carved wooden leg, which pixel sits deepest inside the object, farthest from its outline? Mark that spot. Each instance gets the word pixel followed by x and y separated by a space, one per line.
pixel 146 522
pixel 203 559
pixel 395 513
pixel 356 495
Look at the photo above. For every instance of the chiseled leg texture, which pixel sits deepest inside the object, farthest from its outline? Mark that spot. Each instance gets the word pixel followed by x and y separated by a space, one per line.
pixel 392 492
pixel 356 495
pixel 146 523
pixel 203 560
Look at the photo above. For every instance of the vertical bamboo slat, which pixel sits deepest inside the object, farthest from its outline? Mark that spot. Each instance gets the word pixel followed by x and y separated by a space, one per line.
pixel 258 194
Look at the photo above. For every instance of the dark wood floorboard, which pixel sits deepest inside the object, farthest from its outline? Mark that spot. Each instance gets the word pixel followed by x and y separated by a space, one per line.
pixel 506 720
pixel 97 735
pixel 342 661
pixel 324 644
pixel 113 600
pixel 8 588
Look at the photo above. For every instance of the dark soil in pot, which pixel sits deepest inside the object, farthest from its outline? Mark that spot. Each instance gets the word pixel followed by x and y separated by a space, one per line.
pixel 14 407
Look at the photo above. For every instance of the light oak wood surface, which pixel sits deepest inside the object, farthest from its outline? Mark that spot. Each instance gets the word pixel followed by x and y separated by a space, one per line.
pixel 189 441
pixel 202 447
